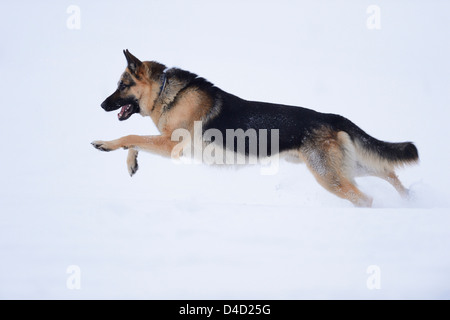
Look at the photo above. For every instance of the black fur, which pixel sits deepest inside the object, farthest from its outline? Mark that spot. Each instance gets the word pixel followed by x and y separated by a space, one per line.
pixel 395 152
pixel 295 124
pixel 191 80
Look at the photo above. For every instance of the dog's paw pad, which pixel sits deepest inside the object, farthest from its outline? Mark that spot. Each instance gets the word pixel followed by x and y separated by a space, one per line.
pixel 100 145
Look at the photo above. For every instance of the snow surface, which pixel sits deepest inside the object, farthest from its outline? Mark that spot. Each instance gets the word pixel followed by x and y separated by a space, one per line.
pixel 195 232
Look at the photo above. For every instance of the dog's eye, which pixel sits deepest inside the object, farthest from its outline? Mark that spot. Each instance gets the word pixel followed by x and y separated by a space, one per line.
pixel 122 86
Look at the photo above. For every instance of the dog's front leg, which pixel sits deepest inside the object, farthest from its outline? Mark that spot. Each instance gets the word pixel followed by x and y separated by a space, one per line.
pixel 161 145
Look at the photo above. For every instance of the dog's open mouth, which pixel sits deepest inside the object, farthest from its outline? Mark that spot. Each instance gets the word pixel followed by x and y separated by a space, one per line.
pixel 127 106
pixel 126 111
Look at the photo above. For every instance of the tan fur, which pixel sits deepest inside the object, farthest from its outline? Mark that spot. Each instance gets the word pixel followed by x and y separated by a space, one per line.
pixel 161 145
pixel 392 178
pixel 335 160
pixel 192 105
pixel 325 157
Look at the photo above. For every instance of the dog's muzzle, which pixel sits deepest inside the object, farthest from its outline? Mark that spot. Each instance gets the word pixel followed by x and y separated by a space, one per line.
pixel 108 106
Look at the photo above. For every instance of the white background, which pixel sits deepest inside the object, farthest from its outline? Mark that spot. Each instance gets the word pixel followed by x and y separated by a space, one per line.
pixel 194 232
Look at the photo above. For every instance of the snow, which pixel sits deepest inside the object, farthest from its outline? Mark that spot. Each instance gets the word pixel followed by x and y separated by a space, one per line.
pixel 187 231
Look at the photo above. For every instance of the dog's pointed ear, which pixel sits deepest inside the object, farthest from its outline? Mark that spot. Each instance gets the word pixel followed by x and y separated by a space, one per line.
pixel 133 62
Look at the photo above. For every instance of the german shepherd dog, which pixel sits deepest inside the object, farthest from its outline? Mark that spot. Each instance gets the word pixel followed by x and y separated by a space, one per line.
pixel 334 149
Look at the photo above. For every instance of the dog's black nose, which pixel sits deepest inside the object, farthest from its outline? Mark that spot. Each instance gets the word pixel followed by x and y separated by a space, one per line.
pixel 104 105
pixel 112 102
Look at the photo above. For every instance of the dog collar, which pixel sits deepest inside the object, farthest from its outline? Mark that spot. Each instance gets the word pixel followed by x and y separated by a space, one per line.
pixel 163 86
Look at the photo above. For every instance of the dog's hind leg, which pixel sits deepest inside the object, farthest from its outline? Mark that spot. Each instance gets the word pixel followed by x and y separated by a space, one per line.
pixel 325 157
pixel 132 163
pixel 344 188
pixel 393 179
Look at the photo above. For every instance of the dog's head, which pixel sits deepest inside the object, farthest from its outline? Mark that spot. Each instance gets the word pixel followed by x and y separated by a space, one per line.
pixel 138 88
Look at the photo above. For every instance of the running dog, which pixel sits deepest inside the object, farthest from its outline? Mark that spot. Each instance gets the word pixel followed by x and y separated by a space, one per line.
pixel 334 149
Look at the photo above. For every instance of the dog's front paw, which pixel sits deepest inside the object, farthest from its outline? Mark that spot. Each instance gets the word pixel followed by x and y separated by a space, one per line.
pixel 133 168
pixel 102 145
pixel 132 163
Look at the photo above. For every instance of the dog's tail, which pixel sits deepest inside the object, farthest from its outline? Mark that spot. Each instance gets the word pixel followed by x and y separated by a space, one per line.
pixel 377 154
